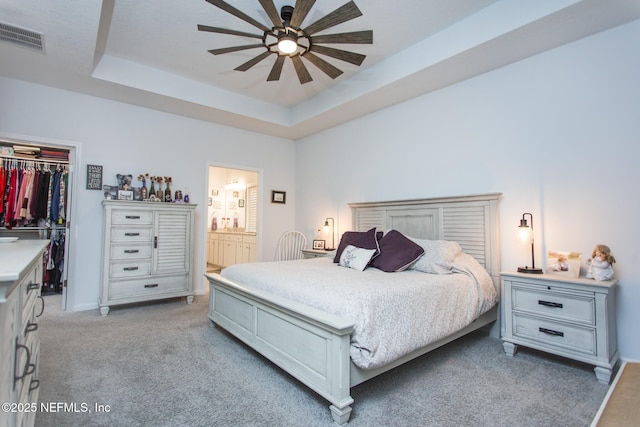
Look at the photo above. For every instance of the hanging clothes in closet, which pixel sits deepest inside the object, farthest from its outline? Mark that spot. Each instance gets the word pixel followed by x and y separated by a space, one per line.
pixel 54 256
pixel 33 194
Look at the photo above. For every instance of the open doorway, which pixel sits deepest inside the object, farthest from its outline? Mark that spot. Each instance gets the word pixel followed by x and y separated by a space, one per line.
pixel 232 217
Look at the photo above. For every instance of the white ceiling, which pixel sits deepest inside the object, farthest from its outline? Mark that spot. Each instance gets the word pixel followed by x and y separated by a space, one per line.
pixel 150 53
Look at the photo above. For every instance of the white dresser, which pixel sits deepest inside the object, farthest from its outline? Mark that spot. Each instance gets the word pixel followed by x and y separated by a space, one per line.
pixel 147 252
pixel 570 317
pixel 21 265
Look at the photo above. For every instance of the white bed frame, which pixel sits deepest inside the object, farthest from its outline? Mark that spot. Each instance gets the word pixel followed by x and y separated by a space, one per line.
pixel 312 345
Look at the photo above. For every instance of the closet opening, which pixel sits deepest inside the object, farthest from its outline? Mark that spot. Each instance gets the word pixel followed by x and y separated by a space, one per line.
pixel 36 187
pixel 232 217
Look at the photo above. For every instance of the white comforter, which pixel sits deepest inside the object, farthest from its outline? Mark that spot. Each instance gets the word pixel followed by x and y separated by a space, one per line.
pixel 393 313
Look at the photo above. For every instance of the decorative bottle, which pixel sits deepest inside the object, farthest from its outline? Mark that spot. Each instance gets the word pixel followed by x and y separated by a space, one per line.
pixel 235 220
pixel 167 191
pixel 214 221
pixel 152 189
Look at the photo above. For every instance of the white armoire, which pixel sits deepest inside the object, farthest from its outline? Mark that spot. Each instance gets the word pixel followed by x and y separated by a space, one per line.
pixel 146 252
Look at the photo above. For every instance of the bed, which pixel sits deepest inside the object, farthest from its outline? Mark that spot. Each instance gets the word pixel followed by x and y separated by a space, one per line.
pixel 315 344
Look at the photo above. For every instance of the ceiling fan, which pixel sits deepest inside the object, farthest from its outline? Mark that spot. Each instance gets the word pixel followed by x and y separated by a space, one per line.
pixel 286 39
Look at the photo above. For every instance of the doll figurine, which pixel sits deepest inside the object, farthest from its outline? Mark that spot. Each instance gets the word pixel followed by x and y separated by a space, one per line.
pixel 600 265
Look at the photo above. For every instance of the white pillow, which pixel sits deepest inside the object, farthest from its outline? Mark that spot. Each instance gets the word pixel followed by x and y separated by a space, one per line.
pixel 356 258
pixel 438 256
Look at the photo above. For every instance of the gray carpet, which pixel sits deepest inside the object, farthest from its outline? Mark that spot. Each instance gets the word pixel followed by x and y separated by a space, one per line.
pixel 162 364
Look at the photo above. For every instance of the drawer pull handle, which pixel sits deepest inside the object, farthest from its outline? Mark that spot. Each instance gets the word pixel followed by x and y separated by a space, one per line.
pixel 131 234
pixel 33 287
pixel 132 217
pixel 131 251
pixel 551 332
pixel 29 367
pixel 550 304
pixel 31 327
pixel 130 268
pixel 153 285
pixel 34 385
pixel 42 310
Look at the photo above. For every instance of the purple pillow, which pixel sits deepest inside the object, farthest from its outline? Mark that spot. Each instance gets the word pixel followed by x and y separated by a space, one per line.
pixel 397 252
pixel 359 239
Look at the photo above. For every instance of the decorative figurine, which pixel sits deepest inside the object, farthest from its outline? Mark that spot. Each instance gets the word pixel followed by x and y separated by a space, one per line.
pixel 144 192
pixel 600 264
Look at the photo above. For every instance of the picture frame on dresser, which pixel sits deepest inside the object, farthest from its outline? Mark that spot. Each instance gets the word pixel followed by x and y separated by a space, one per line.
pixel 319 244
pixel 125 195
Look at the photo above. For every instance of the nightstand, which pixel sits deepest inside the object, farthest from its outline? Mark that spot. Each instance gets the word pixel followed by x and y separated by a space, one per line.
pixel 314 253
pixel 569 317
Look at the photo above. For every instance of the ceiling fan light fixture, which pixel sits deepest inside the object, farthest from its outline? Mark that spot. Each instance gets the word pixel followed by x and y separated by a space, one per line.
pixel 287 43
pixel 293 39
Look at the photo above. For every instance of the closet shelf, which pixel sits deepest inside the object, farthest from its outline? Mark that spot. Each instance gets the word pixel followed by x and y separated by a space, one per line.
pixel 38 161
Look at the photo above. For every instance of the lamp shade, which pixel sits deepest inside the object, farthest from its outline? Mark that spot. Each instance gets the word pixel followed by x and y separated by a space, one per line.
pixel 333 231
pixel 525 233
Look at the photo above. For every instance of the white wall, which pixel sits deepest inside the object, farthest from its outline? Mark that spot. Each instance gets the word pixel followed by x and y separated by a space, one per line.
pixel 557 134
pixel 128 139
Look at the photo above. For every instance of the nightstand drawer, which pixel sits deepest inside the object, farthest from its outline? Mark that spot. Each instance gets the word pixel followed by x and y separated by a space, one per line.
pixel 556 334
pixel 575 308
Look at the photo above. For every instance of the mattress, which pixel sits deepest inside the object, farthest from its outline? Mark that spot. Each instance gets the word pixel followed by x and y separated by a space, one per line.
pixel 393 313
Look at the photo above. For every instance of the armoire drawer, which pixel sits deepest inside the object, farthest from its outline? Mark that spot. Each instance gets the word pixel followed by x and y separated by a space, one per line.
pixel 131 217
pixel 149 286
pixel 130 251
pixel 131 234
pixel 563 306
pixel 556 334
pixel 133 268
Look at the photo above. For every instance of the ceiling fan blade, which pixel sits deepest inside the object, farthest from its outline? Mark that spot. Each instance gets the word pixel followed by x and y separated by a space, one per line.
pixel 300 11
pixel 254 61
pixel 276 70
pixel 227 31
pixel 272 12
pixel 301 70
pixel 356 37
pixel 234 48
pixel 235 12
pixel 343 55
pixel 323 65
pixel 342 14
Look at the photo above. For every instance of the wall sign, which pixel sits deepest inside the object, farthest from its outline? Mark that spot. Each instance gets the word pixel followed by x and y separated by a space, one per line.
pixel 94 177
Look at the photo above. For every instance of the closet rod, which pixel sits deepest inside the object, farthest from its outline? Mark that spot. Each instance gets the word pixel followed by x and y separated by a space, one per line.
pixel 25 159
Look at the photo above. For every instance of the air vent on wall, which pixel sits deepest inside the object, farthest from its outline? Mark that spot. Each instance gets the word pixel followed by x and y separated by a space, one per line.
pixel 22 36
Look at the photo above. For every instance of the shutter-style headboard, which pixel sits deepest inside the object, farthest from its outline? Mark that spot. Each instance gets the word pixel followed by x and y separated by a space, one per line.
pixel 472 221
